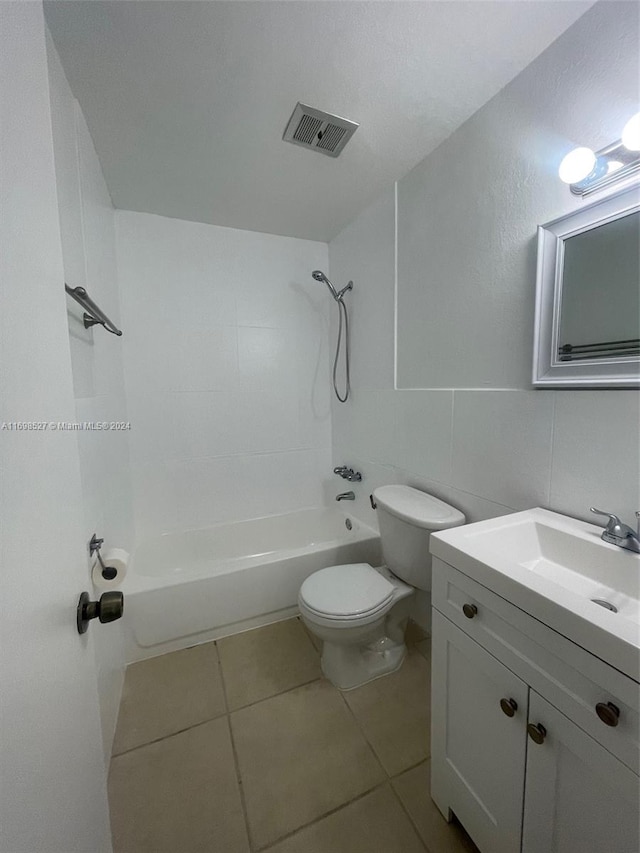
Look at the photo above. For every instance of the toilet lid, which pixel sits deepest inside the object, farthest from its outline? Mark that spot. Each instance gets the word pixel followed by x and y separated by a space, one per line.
pixel 346 590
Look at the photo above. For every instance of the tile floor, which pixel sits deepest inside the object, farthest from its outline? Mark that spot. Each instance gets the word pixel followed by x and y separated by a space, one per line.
pixel 241 745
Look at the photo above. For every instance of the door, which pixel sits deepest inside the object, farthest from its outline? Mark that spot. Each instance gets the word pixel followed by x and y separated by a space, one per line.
pixel 579 798
pixel 478 739
pixel 52 773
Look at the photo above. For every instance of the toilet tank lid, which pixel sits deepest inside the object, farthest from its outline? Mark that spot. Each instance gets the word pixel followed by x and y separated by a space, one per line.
pixel 418 507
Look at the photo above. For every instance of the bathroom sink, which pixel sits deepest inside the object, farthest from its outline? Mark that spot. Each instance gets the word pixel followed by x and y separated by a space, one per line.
pixel 560 571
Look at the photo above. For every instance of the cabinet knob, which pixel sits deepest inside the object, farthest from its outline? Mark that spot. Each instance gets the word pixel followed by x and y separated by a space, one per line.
pixel 608 713
pixel 509 706
pixel 469 610
pixel 537 732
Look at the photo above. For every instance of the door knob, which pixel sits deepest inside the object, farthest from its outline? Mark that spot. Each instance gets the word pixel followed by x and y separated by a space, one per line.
pixel 608 713
pixel 537 732
pixel 509 706
pixel 109 608
pixel 469 610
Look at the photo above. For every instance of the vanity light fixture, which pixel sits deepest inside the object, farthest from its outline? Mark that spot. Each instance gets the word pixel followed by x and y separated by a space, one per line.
pixel 587 171
pixel 631 133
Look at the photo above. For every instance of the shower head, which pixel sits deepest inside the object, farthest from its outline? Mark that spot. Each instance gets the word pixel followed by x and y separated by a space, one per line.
pixel 320 276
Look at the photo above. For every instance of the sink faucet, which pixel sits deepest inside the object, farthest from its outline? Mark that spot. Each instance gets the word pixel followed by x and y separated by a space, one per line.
pixel 346 496
pixel 618 533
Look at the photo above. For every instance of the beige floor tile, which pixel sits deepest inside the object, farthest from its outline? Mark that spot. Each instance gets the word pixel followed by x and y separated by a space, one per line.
pixel 267 661
pixel 414 633
pixel 414 789
pixel 300 756
pixel 394 714
pixel 317 642
pixel 424 647
pixel 178 795
pixel 167 694
pixel 374 824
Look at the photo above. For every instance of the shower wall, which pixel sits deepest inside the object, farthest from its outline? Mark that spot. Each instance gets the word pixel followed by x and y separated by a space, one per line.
pixel 227 372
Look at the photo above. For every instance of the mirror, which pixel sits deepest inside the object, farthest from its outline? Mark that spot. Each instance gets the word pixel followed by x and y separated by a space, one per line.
pixel 587 330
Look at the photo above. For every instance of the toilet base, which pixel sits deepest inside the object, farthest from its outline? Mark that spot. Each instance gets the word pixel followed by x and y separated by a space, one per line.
pixel 350 666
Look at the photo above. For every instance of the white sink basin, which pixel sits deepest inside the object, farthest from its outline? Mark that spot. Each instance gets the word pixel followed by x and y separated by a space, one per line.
pixel 556 568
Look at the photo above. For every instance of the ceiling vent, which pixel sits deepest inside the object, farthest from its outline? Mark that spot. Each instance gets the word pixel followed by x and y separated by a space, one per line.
pixel 319 131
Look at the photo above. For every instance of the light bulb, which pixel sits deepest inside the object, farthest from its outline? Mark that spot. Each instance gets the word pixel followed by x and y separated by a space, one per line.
pixel 613 166
pixel 577 165
pixel 631 133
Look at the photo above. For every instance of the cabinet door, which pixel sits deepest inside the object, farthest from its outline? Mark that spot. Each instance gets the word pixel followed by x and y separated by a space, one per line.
pixel 579 798
pixel 478 752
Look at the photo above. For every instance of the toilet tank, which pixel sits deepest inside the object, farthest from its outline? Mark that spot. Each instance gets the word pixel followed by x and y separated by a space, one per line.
pixel 406 518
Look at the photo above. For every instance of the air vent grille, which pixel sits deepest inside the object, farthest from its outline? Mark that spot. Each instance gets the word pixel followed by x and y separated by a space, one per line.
pixel 319 131
pixel 307 129
pixel 331 137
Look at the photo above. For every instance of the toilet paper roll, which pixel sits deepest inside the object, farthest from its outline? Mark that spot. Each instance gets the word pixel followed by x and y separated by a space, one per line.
pixel 114 558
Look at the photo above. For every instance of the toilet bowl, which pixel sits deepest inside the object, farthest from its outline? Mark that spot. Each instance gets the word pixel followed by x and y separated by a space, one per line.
pixel 360 612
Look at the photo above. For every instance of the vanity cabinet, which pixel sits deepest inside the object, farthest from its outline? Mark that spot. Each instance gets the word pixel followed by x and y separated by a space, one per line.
pixel 579 797
pixel 520 752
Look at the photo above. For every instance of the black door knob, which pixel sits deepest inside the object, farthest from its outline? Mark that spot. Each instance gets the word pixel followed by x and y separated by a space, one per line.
pixel 109 608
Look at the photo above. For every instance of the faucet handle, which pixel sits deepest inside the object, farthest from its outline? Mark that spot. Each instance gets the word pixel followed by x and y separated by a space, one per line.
pixel 613 519
pixel 614 525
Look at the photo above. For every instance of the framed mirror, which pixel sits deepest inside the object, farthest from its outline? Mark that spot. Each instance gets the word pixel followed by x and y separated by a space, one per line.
pixel 587 321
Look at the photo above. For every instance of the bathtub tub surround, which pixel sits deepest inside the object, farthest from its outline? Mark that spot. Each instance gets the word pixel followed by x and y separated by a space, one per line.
pixel 234 386
pixel 186 588
pixel 360 613
pixel 239 745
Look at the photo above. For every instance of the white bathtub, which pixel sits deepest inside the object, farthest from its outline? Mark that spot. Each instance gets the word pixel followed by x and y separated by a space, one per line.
pixel 186 588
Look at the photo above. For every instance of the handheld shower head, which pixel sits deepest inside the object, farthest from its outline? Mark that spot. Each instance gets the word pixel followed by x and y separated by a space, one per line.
pixel 320 276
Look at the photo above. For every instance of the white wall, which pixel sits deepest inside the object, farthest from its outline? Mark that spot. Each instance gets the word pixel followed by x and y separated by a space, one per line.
pixel 227 372
pixel 467 214
pixel 88 246
pixel 52 773
pixel 488 451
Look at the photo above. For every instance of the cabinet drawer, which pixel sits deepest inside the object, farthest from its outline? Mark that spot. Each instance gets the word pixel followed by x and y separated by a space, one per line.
pixel 565 674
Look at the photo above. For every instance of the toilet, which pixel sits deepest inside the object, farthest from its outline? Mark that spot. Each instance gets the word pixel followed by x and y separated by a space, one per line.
pixel 360 612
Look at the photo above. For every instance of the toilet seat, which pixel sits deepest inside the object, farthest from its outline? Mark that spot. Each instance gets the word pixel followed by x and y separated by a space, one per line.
pixel 346 593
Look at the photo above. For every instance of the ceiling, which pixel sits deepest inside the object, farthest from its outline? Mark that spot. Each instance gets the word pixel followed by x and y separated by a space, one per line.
pixel 187 101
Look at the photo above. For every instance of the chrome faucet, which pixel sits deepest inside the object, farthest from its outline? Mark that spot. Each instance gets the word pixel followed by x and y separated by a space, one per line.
pixel 346 496
pixel 348 474
pixel 620 534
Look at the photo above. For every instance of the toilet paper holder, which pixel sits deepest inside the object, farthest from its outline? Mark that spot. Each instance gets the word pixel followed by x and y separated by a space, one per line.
pixel 107 572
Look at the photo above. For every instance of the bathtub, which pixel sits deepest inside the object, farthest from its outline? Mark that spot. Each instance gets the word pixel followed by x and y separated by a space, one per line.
pixel 195 586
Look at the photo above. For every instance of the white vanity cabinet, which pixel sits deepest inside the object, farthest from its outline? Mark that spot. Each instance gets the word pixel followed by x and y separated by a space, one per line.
pixel 519 751
pixel 579 797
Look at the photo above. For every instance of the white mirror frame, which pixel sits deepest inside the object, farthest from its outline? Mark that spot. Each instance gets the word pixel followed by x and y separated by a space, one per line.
pixel 548 370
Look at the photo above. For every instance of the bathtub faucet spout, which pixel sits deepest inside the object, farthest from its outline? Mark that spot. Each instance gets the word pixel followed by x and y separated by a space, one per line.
pixel 346 496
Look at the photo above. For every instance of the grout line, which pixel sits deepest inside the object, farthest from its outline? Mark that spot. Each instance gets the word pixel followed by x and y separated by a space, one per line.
pixel 408 815
pixel 552 441
pixel 362 732
pixel 236 763
pixel 322 817
pixel 275 695
pixel 411 767
pixel 166 737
